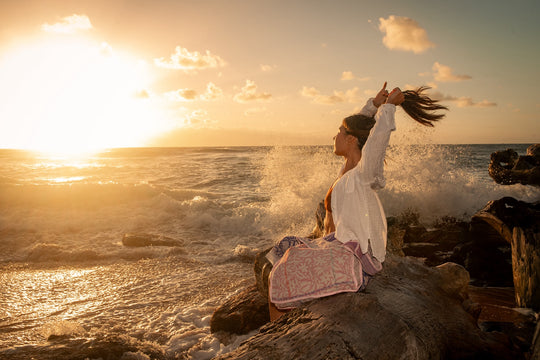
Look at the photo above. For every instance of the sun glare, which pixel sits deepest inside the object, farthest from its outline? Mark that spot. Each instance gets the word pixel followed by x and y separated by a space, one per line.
pixel 72 96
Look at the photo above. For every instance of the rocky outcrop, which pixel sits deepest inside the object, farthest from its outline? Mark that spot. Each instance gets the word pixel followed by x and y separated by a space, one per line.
pixel 142 239
pixel 507 167
pixel 242 313
pixel 518 223
pixel 535 351
pixel 408 311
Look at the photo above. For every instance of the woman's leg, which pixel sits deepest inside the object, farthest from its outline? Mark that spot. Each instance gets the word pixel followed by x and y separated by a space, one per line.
pixel 275 313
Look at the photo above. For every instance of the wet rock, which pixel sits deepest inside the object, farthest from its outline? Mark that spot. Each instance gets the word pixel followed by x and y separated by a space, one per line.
pixel 526 267
pixel 242 313
pixel 407 309
pixel 518 223
pixel 486 255
pixel 507 167
pixel 535 349
pixel 142 239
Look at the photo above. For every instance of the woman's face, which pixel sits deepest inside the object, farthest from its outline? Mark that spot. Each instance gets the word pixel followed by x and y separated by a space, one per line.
pixel 341 142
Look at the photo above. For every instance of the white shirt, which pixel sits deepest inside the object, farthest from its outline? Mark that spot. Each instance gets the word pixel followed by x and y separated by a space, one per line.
pixel 356 209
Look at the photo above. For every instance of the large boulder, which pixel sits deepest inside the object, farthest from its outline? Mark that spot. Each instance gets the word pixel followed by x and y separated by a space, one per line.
pixel 507 167
pixel 518 224
pixel 408 311
pixel 242 313
pixel 535 350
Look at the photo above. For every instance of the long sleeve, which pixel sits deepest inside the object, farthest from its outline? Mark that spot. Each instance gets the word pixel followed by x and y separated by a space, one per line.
pixel 369 109
pixel 372 163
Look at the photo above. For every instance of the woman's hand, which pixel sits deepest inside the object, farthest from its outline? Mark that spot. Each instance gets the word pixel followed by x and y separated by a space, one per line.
pixel 381 96
pixel 396 97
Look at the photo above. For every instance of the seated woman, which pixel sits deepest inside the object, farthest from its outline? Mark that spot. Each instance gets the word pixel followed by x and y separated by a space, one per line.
pixel 354 246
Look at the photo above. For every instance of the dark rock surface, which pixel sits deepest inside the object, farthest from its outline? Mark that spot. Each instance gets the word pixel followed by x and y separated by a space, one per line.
pixel 535 351
pixel 507 167
pixel 408 310
pixel 142 239
pixel 242 313
pixel 518 223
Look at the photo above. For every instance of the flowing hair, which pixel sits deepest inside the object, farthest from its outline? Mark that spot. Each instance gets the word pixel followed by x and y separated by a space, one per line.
pixel 421 107
pixel 417 105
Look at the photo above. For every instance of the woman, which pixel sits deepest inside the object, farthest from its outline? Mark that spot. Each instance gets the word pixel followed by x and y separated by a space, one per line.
pixel 354 246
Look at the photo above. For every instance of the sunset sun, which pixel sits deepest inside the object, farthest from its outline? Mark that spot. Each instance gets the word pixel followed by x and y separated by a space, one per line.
pixel 73 95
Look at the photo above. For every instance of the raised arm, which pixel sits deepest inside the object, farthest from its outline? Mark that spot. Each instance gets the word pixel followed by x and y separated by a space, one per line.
pixel 372 162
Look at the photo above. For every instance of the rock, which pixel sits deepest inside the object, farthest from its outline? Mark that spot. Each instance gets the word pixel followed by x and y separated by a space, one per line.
pixel 408 311
pixel 435 246
pixel 518 169
pixel 518 223
pixel 526 267
pixel 242 313
pixel 535 349
pixel 142 239
pixel 485 254
pixel 413 233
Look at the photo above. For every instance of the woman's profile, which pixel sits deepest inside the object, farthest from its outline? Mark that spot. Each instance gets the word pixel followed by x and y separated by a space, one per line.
pixel 353 247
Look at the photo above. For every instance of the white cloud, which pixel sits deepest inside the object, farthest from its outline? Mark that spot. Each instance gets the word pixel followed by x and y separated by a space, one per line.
pixel 212 92
pixel 347 75
pixel 268 68
pixel 348 96
pixel 249 93
pixel 402 33
pixel 188 61
pixel 443 73
pixel 462 101
pixel 69 25
pixel 181 95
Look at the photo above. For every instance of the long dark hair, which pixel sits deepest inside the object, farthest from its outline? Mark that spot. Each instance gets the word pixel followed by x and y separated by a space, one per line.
pixel 421 107
pixel 417 105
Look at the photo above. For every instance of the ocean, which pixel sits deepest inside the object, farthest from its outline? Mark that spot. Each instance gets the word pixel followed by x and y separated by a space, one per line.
pixel 67 280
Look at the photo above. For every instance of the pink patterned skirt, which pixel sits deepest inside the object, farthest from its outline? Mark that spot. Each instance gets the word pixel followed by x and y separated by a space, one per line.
pixel 306 269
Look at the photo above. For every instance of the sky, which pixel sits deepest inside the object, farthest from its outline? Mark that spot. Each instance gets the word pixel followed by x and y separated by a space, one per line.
pixel 83 75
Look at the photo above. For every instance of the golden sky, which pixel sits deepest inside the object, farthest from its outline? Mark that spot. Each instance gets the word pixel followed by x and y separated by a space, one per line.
pixel 84 75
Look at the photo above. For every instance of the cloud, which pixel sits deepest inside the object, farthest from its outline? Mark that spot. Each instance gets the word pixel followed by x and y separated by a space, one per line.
pixel 348 75
pixel 443 73
pixel 188 61
pixel 69 25
pixel 402 33
pixel 249 93
pixel 181 95
pixel 196 118
pixel 142 94
pixel 462 101
pixel 212 92
pixel 348 96
pixel 268 68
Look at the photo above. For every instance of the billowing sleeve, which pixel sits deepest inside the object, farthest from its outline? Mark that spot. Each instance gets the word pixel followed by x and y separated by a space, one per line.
pixel 371 165
pixel 369 109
